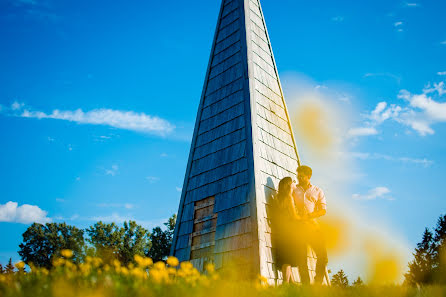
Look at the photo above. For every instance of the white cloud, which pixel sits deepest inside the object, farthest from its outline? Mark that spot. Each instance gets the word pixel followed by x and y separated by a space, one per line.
pixel 361 131
pixel 119 219
pixel 413 4
pixel 384 74
pixel 116 205
pixel 369 156
pixel 25 214
pixel 337 19
pixel 127 120
pixel 440 88
pixel 17 105
pixel 420 112
pixel 443 42
pixel 441 73
pixel 113 171
pixel 179 189
pixel 378 192
pixel 382 112
pixel 152 179
pixel 164 155
pixel 398 24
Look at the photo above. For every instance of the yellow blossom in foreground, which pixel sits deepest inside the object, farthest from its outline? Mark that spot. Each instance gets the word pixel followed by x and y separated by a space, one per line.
pixel 67 253
pixel 186 265
pixel 20 265
pixel 160 265
pixel 173 261
pixel 210 268
pixel 58 262
pixel 143 262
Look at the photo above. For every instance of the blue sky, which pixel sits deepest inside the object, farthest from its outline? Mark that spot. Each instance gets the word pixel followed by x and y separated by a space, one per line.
pixel 98 102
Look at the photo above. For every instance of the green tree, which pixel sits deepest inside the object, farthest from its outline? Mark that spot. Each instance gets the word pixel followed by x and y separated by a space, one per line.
pixel 439 251
pixel 358 282
pixel 9 267
pixel 2 270
pixel 42 243
pixel 340 279
pixel 162 240
pixel 112 242
pixel 421 268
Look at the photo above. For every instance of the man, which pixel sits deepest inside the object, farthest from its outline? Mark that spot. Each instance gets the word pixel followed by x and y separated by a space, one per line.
pixel 311 204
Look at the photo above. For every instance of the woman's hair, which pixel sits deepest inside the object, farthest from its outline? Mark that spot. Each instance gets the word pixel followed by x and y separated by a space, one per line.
pixel 284 189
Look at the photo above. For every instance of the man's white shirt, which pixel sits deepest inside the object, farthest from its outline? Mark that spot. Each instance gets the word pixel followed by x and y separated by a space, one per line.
pixel 308 201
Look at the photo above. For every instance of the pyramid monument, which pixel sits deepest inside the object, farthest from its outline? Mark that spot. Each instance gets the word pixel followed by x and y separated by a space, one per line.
pixel 242 146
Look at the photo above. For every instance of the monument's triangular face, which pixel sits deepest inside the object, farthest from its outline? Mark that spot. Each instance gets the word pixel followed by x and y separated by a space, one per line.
pixel 242 146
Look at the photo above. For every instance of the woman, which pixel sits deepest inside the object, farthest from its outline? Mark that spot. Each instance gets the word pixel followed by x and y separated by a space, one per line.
pixel 284 228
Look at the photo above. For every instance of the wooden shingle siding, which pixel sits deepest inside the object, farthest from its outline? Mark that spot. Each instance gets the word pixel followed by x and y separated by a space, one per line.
pixel 220 143
pixel 232 198
pixel 186 227
pixel 225 64
pixel 233 243
pixel 220 131
pixel 221 186
pixel 218 173
pixel 227 48
pixel 228 30
pixel 188 212
pixel 182 241
pixel 234 213
pixel 225 78
pixel 233 229
pixel 219 158
pixel 230 16
pixel 223 93
pixel 182 254
pixel 222 117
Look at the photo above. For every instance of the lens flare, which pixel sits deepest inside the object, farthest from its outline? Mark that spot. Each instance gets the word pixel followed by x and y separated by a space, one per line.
pixel 385 264
pixel 312 124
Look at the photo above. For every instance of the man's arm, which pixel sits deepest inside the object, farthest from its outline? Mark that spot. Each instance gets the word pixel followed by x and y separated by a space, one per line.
pixel 321 207
pixel 317 213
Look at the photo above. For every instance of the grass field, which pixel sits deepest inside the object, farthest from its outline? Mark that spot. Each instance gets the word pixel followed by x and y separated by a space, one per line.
pixel 96 279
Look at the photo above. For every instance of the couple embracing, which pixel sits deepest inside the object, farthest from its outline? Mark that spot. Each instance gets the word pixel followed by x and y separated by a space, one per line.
pixel 296 209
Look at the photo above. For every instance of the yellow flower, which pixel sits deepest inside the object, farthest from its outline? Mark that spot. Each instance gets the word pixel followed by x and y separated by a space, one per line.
pixel 263 279
pixel 96 262
pixel 186 266
pixel 210 268
pixel 138 259
pixel 148 262
pixel 160 265
pixel 172 271
pixel 124 271
pixel 58 262
pixel 142 261
pixel 173 261
pixel 20 265
pixel 117 264
pixel 66 253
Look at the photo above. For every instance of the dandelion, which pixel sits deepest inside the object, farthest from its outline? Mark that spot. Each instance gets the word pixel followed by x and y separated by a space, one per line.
pixel 20 265
pixel 67 253
pixel 173 261
pixel 160 265
pixel 58 262
pixel 210 268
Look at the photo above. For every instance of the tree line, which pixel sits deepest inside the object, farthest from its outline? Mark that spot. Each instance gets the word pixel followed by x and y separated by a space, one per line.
pixel 43 243
pixel 429 263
